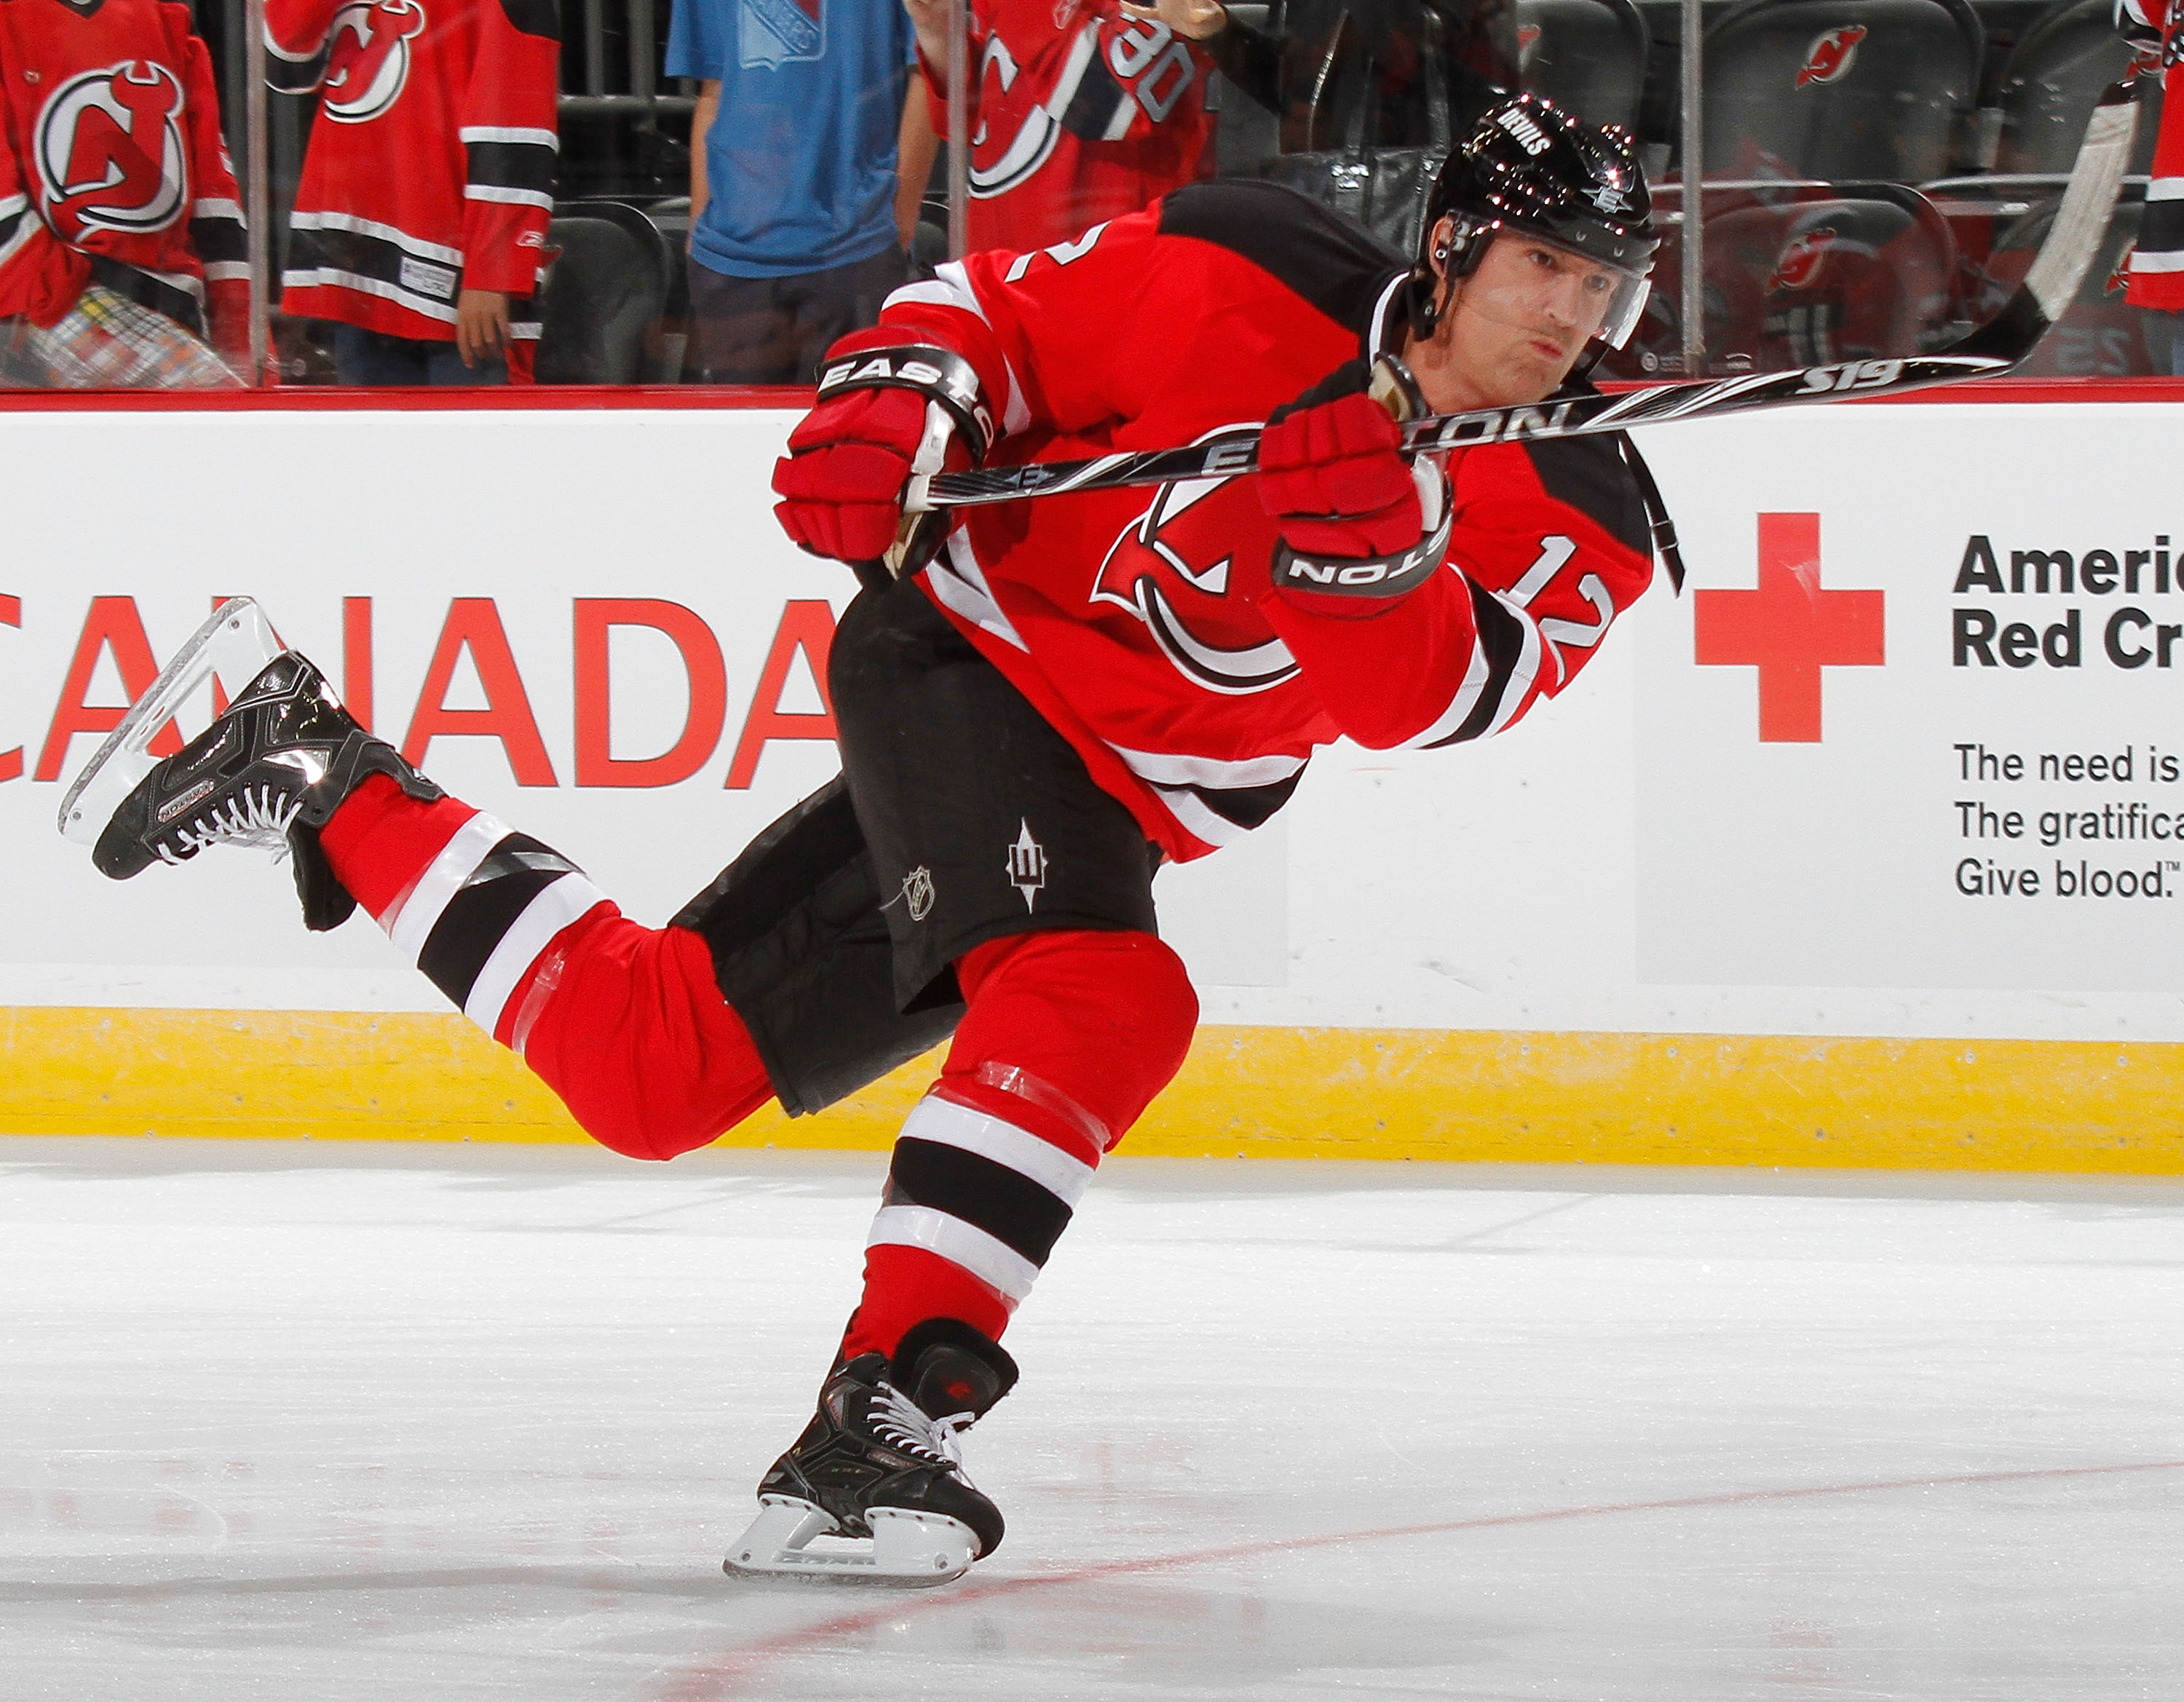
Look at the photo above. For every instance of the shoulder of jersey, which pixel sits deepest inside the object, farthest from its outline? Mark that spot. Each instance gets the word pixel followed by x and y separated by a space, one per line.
pixel 1590 475
pixel 1333 264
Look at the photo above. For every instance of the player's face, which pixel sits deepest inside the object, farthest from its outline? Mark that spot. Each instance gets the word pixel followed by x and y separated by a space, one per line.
pixel 1517 324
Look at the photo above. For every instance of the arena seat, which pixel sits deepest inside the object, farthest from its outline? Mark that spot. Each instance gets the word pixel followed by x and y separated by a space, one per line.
pixel 1799 276
pixel 1588 56
pixel 1841 90
pixel 606 291
pixel 2066 57
pixel 2101 335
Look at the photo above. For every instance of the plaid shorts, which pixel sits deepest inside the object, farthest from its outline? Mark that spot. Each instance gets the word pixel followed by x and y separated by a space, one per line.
pixel 106 341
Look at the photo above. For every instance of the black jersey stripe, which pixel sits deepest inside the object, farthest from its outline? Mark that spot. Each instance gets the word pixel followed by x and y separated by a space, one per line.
pixel 141 287
pixel 2161 227
pixel 1248 806
pixel 1501 635
pixel 332 250
pixel 526 165
pixel 1006 1203
pixel 1333 264
pixel 484 909
pixel 220 238
pixel 287 76
pixel 1093 105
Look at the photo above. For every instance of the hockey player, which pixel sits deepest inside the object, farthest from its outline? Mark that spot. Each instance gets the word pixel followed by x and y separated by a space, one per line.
pixel 1078 112
pixel 1071 691
pixel 2154 281
pixel 123 260
pixel 419 225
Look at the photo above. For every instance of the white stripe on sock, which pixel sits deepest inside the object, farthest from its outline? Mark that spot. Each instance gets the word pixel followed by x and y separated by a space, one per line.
pixel 555 907
pixel 950 1125
pixel 994 1263
pixel 411 924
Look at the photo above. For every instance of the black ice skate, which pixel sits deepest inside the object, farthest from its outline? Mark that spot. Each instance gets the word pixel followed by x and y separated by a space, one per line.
pixel 873 1492
pixel 270 771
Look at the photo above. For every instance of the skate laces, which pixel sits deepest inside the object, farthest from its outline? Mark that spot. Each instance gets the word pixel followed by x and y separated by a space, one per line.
pixel 259 819
pixel 901 1423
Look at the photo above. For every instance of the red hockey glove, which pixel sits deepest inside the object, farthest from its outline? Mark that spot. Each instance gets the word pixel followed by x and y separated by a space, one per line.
pixel 1353 522
pixel 842 479
pixel 887 408
pixel 1331 480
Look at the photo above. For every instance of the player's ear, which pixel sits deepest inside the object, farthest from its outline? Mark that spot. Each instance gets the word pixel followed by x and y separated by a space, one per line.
pixel 1444 241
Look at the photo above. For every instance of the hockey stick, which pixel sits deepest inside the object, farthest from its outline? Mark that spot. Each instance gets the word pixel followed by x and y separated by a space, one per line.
pixel 2001 343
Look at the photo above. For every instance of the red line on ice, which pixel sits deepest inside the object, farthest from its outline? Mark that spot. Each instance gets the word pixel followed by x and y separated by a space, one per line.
pixel 715 1678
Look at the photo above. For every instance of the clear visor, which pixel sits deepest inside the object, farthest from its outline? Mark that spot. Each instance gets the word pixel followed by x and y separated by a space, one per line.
pixel 1529 282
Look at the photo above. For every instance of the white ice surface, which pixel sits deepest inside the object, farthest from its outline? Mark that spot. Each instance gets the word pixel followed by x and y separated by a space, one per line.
pixel 319 1422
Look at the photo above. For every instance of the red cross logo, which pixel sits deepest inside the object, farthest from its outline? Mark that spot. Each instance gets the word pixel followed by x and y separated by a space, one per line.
pixel 1789 629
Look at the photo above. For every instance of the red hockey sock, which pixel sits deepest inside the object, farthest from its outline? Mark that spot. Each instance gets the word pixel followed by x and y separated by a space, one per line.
pixel 626 1023
pixel 381 840
pixel 1068 1035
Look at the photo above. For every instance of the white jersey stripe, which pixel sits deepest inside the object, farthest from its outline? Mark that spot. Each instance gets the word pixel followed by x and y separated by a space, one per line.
pixel 555 907
pixel 372 227
pixel 1461 706
pixel 994 1263
pixel 506 196
pixel 508 132
pixel 945 1123
pixel 1164 768
pixel 1192 811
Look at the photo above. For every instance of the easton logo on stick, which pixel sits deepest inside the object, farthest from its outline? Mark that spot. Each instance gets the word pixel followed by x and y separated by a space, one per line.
pixel 1829 58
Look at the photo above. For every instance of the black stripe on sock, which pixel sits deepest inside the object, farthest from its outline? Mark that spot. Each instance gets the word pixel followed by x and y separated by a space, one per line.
pixel 1006 1203
pixel 484 909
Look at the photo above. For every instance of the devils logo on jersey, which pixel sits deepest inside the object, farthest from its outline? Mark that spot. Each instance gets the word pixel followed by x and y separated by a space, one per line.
pixel 1799 263
pixel 1170 568
pixel 1829 58
pixel 110 153
pixel 368 58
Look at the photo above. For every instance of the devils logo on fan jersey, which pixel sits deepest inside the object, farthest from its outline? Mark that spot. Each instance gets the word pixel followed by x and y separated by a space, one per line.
pixel 1170 568
pixel 368 58
pixel 1800 262
pixel 1829 58
pixel 109 150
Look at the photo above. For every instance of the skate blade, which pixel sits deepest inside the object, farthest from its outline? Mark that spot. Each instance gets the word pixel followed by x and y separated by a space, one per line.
pixel 906 1550
pixel 234 644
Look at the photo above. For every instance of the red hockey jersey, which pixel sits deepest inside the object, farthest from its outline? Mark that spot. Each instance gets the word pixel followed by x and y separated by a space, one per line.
pixel 2156 271
pixel 431 165
pixel 114 167
pixel 1143 625
pixel 1078 114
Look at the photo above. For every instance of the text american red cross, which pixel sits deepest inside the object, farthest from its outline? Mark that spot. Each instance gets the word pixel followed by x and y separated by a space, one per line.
pixel 1789 629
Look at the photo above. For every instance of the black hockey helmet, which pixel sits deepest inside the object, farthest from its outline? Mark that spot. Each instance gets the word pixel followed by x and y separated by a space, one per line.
pixel 1532 167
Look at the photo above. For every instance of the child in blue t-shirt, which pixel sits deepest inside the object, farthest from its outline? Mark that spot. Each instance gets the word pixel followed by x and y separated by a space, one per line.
pixel 794 176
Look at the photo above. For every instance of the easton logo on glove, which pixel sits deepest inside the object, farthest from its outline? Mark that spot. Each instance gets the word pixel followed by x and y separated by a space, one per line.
pixel 1387 576
pixel 939 373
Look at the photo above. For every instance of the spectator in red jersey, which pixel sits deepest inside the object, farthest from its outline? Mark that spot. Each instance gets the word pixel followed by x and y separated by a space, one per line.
pixel 419 225
pixel 2155 279
pixel 1080 111
pixel 122 254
